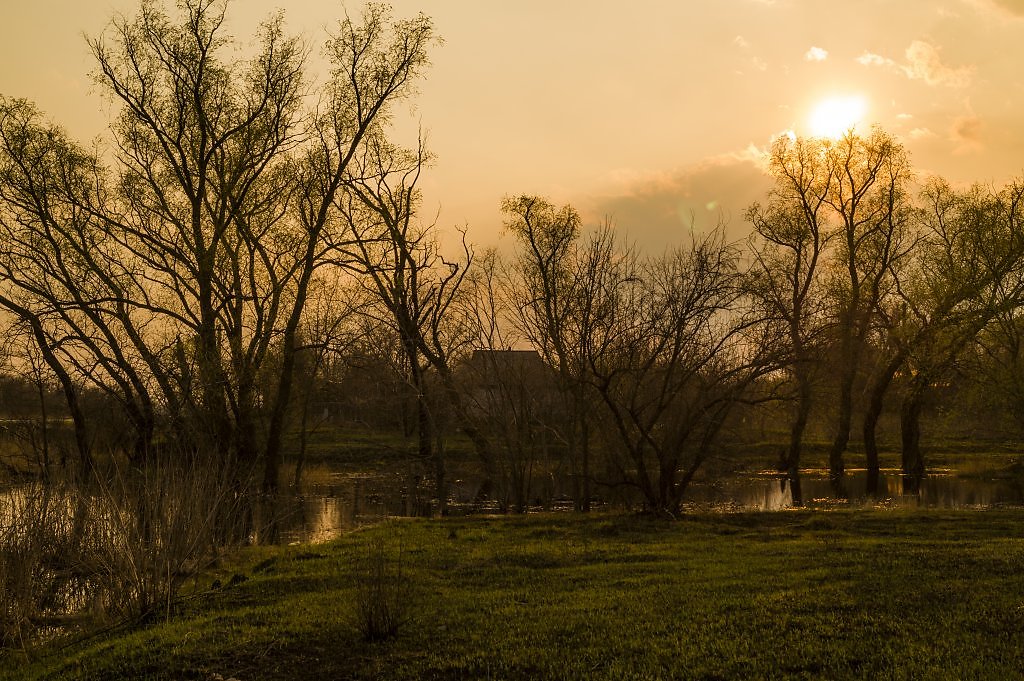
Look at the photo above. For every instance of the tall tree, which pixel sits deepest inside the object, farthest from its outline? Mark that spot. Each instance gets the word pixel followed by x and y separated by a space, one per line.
pixel 408 278
pixel 552 284
pixel 175 276
pixel 788 249
pixel 869 200
pixel 968 269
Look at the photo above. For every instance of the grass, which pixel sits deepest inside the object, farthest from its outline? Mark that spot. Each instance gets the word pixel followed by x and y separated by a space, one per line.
pixel 850 594
pixel 967 458
pixel 362 449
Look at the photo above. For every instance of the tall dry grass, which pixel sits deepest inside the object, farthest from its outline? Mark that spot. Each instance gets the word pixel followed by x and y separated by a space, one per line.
pixel 76 555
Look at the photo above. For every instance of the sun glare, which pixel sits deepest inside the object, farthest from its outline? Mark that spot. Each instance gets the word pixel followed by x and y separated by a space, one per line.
pixel 832 117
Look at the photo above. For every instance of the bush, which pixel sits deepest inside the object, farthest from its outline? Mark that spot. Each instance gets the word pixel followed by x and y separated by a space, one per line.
pixel 382 593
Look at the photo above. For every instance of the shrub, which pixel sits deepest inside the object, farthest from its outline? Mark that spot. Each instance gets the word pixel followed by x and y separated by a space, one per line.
pixel 382 592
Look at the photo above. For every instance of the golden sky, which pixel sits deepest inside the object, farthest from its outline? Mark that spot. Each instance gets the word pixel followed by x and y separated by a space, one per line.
pixel 655 115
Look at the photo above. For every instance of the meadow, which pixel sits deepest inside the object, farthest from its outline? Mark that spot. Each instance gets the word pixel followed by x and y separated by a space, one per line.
pixel 839 594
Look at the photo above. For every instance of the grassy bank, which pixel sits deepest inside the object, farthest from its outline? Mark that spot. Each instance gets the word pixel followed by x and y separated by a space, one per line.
pixel 968 458
pixel 806 595
pixel 360 450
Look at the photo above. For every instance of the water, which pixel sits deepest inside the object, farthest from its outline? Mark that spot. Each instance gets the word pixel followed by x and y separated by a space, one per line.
pixel 327 511
pixel 342 502
pixel 770 492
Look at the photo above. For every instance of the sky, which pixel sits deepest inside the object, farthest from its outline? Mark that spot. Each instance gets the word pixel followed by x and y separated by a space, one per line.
pixel 656 116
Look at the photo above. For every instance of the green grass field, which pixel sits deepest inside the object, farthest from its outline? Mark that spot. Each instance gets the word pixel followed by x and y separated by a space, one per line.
pixel 835 595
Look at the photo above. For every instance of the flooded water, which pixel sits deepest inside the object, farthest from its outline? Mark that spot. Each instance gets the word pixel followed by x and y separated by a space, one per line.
pixel 342 502
pixel 327 511
pixel 770 492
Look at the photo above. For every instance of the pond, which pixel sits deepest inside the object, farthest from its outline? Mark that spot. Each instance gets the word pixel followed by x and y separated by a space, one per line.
pixel 341 502
pixel 325 511
pixel 943 489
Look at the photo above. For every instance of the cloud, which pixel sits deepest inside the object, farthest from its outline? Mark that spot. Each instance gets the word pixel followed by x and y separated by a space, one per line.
pixel 659 209
pixel 1014 7
pixel 816 54
pixel 923 63
pixel 740 42
pixel 920 133
pixel 966 132
pixel 870 59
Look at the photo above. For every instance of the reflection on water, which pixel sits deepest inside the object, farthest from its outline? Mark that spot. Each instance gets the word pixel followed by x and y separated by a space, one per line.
pixel 327 511
pixel 771 492
pixel 324 512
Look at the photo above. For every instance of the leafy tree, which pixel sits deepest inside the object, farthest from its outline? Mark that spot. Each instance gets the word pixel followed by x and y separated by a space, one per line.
pixel 835 227
pixel 871 207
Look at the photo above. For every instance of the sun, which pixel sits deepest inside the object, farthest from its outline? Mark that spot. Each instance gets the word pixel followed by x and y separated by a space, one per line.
pixel 834 116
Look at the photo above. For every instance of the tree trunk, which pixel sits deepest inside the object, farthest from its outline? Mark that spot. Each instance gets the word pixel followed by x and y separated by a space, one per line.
pixel 852 346
pixel 585 449
pixel 872 414
pixel 85 460
pixel 300 459
pixel 836 467
pixel 800 418
pixel 480 442
pixel 44 464
pixel 440 476
pixel 910 427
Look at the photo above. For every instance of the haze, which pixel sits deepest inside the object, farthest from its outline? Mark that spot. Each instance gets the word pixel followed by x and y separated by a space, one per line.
pixel 656 116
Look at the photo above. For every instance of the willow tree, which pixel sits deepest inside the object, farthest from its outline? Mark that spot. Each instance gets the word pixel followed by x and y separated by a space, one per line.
pixel 871 207
pixel 836 224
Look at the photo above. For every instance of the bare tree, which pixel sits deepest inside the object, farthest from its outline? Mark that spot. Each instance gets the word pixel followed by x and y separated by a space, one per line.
pixel 552 287
pixel 788 253
pixel 376 62
pixel 674 351
pixel 409 279
pixel 868 197
pixel 203 143
pixel 176 278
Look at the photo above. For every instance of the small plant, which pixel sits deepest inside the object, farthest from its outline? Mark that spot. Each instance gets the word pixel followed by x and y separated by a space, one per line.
pixel 382 593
